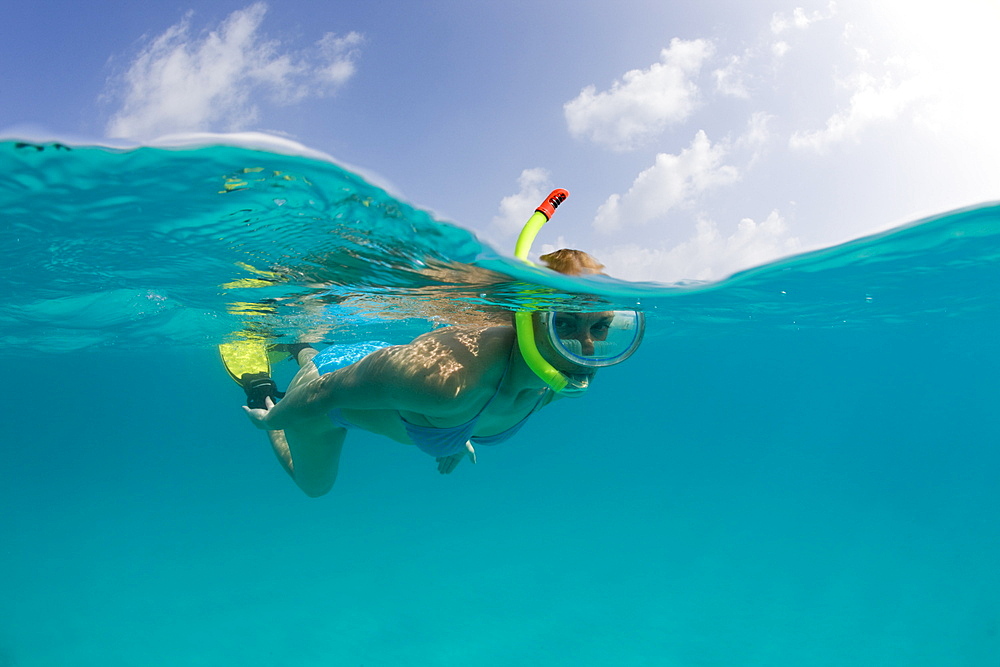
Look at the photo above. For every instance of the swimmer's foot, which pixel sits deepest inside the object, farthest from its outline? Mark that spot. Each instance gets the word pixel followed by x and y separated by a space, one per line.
pixel 259 386
pixel 293 349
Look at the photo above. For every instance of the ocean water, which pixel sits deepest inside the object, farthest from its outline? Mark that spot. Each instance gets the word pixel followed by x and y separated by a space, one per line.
pixel 799 467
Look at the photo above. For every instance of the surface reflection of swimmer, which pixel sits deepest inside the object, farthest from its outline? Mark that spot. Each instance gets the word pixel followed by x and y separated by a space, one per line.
pixel 447 391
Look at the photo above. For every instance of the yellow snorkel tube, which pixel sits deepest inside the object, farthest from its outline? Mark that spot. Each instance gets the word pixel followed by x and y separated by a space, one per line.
pixel 522 319
pixel 534 224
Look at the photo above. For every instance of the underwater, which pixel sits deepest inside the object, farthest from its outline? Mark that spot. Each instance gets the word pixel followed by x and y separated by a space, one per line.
pixel 799 466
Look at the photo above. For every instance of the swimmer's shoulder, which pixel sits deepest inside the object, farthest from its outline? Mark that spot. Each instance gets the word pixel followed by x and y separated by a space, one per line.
pixel 468 346
pixel 460 361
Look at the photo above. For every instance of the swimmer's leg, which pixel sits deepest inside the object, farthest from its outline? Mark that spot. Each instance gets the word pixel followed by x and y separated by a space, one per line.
pixel 280 446
pixel 307 369
pixel 310 457
pixel 310 453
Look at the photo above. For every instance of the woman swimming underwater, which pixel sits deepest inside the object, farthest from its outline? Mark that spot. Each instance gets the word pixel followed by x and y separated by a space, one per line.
pixel 447 391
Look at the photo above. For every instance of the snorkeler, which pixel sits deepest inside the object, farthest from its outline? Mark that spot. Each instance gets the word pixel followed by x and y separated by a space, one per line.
pixel 448 390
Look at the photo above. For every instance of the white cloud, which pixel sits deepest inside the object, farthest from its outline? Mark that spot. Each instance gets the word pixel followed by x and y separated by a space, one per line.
pixel 949 64
pixel 758 132
pixel 182 83
pixel 672 181
pixel 730 79
pixel 515 209
pixel 873 99
pixel 339 54
pixel 708 254
pixel 640 106
pixel 782 24
pixel 800 20
pixel 755 139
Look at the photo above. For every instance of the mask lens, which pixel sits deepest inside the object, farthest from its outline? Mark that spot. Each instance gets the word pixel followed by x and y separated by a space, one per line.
pixel 598 339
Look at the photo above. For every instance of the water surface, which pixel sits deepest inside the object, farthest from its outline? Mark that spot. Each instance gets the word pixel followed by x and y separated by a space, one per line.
pixel 799 467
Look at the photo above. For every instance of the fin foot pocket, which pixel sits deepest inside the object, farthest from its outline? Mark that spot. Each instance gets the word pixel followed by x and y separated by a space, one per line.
pixel 257 387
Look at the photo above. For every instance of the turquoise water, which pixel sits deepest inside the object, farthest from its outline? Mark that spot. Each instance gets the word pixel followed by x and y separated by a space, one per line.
pixel 799 467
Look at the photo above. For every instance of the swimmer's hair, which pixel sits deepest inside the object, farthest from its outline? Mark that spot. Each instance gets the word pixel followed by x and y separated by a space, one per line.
pixel 572 262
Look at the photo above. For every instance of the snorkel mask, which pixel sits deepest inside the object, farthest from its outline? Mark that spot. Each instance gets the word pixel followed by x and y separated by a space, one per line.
pixel 581 341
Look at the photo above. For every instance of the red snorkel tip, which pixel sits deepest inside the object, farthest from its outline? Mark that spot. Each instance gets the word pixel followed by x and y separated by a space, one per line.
pixel 548 207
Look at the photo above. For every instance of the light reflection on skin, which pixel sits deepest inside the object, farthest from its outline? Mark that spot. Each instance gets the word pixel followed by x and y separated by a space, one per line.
pixel 430 358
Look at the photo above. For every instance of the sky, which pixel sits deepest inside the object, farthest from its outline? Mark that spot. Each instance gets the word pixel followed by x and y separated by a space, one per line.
pixel 696 139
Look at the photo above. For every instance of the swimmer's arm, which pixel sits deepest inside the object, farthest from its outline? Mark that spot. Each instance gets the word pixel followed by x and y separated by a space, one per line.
pixel 380 381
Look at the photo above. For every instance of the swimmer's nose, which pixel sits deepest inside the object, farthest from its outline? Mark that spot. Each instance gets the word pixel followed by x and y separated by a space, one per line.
pixel 586 345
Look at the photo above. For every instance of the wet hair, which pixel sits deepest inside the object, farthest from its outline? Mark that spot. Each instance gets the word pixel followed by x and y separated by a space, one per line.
pixel 572 262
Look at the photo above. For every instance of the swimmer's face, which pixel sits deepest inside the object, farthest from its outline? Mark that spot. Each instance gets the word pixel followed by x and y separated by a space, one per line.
pixel 587 328
pixel 584 327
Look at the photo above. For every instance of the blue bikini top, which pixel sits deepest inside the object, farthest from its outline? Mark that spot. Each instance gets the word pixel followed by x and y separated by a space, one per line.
pixel 438 441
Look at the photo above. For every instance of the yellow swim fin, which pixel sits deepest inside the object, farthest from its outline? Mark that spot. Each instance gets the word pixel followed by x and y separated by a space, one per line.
pixel 245 356
pixel 247 363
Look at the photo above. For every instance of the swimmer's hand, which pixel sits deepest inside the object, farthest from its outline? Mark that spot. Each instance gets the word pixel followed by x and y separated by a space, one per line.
pixel 259 415
pixel 447 463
